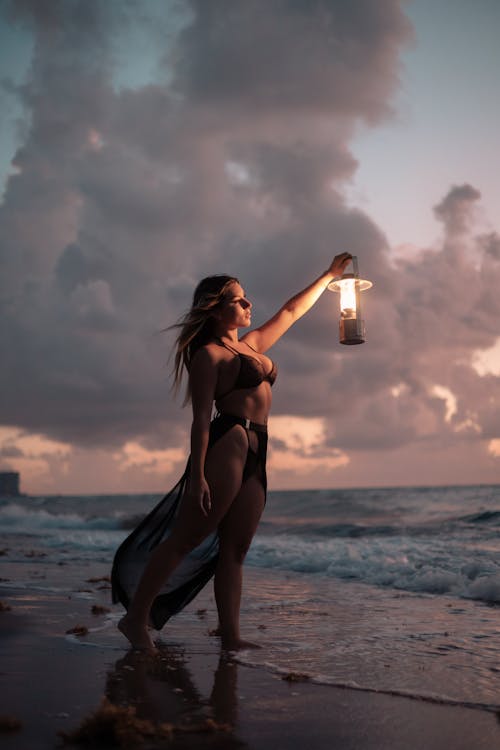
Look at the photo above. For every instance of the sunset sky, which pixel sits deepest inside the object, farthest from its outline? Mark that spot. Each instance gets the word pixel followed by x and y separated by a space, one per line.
pixel 144 145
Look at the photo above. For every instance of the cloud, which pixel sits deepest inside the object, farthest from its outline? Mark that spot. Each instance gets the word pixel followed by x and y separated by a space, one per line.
pixel 490 243
pixel 456 208
pixel 234 157
pixel 134 455
pixel 486 361
pixel 32 455
pixel 316 55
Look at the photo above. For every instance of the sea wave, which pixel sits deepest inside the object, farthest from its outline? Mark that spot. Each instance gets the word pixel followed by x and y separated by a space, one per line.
pixel 486 517
pixel 475 522
pixel 16 518
pixel 447 544
pixel 398 563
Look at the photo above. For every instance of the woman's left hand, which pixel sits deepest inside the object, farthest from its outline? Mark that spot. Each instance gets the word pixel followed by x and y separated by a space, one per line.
pixel 339 263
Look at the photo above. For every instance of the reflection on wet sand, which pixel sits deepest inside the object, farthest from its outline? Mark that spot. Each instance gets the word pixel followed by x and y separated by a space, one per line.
pixel 162 690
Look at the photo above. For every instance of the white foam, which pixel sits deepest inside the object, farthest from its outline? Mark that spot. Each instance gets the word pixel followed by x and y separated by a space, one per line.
pixel 15 517
pixel 486 589
pixel 430 566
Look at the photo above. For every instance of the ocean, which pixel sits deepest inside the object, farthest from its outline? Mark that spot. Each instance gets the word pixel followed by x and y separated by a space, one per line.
pixel 391 590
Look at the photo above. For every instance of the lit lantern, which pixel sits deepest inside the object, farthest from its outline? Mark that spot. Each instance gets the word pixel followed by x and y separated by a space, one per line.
pixel 350 286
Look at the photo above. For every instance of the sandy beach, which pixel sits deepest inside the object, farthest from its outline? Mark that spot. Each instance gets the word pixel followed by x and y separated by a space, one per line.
pixel 52 680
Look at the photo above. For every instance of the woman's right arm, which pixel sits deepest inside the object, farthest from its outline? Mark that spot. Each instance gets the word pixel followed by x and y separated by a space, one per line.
pixel 263 337
pixel 203 380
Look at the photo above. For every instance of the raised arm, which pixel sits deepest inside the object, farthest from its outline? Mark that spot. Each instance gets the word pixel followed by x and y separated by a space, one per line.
pixel 268 333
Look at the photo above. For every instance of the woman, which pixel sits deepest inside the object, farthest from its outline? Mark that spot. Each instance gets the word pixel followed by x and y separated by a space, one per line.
pixel 205 525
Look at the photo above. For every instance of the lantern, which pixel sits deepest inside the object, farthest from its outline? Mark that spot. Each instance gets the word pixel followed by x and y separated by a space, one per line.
pixel 350 286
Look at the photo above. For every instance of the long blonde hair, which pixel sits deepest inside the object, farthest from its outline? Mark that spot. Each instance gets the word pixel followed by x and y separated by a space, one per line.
pixel 197 326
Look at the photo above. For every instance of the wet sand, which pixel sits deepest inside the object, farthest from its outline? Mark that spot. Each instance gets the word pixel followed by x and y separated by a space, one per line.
pixel 51 681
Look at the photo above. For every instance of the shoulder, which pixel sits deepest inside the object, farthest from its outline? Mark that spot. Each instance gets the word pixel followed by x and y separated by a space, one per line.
pixel 206 356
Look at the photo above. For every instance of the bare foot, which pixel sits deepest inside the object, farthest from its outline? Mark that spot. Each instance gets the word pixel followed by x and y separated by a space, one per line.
pixel 137 635
pixel 237 644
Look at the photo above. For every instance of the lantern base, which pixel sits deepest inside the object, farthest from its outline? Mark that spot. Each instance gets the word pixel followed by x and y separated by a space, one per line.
pixel 351 331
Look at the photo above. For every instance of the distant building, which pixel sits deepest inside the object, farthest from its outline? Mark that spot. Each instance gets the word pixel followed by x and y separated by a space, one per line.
pixel 9 483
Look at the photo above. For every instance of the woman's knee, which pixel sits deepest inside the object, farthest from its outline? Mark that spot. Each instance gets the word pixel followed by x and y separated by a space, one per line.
pixel 234 552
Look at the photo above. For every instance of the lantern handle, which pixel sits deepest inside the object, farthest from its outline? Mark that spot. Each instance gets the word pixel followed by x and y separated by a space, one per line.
pixel 354 260
pixel 361 284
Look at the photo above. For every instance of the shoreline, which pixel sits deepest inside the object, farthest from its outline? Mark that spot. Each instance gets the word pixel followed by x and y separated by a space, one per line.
pixel 52 681
pixel 156 494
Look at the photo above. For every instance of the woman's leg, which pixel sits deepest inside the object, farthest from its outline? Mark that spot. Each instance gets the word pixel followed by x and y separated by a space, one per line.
pixel 235 535
pixel 223 471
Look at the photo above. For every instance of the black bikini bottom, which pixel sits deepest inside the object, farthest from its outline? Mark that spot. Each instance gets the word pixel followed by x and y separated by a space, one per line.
pixel 196 569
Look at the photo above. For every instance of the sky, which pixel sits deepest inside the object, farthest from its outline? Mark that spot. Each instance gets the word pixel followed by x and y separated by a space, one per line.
pixel 147 144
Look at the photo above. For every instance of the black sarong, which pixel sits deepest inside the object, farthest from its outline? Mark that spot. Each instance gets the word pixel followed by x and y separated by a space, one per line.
pixel 196 569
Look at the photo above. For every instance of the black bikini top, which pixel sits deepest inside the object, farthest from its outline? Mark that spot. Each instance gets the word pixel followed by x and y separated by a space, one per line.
pixel 251 373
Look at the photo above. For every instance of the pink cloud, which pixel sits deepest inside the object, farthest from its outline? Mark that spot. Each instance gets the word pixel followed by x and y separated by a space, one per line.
pixel 125 198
